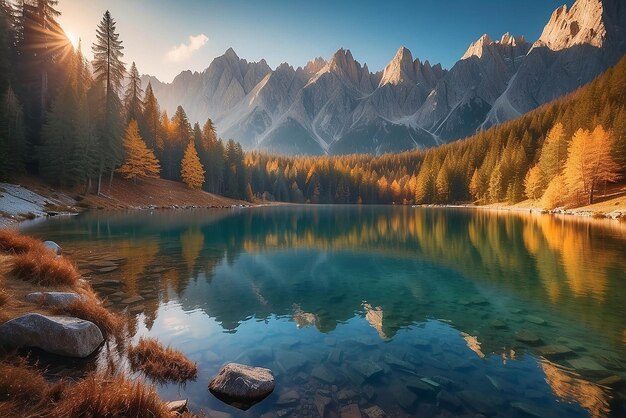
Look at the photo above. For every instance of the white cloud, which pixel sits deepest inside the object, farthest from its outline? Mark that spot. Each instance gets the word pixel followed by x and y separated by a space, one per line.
pixel 184 51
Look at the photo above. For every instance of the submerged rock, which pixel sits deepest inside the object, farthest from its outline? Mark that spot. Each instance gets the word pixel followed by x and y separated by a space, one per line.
pixel 62 335
pixel 497 324
pixel 322 373
pixel 351 411
pixel 288 398
pixel 54 298
pixel 446 398
pixel 587 365
pixel 375 412
pixel 405 398
pixel 536 320
pixel 242 386
pixel 322 403
pixel 367 369
pixel 554 351
pixel 527 337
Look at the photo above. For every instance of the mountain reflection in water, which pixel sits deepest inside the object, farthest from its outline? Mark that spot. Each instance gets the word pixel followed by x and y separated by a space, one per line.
pixel 472 279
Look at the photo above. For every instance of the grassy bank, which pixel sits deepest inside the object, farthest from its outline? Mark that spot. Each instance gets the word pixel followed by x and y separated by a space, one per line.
pixel 110 389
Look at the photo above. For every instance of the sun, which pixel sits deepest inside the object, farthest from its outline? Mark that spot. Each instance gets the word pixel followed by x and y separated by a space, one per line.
pixel 74 39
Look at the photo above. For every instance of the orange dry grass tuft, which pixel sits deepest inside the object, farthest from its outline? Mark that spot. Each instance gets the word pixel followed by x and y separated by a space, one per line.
pixel 110 324
pixel 11 241
pixel 110 396
pixel 42 267
pixel 23 390
pixel 160 363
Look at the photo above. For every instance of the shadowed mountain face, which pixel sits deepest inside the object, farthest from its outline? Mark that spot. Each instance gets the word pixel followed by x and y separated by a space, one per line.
pixel 339 107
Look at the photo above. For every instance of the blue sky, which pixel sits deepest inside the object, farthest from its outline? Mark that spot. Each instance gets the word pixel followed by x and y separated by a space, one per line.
pixel 156 33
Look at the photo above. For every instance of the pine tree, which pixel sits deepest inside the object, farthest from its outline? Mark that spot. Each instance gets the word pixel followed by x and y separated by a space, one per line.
pixel 132 99
pixel 12 136
pixel 109 70
pixel 191 170
pixel 60 162
pixel 140 160
pixel 150 120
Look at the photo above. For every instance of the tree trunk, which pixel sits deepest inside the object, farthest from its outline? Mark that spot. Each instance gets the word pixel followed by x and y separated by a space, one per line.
pixel 591 192
pixel 100 171
pixel 111 178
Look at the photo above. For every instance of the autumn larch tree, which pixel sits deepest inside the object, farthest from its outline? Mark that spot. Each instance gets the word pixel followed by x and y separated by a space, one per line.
pixel 589 162
pixel 140 160
pixel 191 170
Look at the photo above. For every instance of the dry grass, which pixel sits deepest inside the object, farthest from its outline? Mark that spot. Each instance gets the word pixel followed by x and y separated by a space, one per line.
pixel 110 396
pixel 24 391
pixel 4 296
pixel 160 363
pixel 44 268
pixel 110 324
pixel 12 242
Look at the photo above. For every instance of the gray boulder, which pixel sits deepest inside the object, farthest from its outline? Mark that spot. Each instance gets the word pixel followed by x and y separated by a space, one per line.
pixel 54 247
pixel 62 335
pixel 242 386
pixel 54 298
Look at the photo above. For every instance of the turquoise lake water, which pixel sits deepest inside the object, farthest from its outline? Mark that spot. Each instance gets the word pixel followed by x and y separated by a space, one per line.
pixel 412 311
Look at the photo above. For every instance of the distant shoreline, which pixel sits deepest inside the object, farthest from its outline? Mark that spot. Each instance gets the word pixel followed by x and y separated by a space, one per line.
pixel 617 213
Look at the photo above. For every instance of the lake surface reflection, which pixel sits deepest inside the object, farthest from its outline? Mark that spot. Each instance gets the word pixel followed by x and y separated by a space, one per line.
pixel 412 311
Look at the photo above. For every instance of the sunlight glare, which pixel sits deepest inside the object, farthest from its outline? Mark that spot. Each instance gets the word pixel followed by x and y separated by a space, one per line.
pixel 73 38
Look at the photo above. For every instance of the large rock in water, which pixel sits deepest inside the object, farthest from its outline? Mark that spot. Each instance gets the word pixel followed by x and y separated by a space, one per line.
pixel 242 386
pixel 62 335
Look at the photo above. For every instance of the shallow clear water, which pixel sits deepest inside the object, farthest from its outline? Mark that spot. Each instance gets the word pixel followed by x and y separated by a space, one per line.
pixel 419 311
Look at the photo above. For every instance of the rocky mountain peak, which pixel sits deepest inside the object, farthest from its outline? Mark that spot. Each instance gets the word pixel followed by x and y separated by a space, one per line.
pixel 584 23
pixel 510 40
pixel 231 54
pixel 343 63
pixel 400 69
pixel 313 66
pixel 477 47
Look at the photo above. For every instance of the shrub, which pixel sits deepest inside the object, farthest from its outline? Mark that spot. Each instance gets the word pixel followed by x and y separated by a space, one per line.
pixel 160 363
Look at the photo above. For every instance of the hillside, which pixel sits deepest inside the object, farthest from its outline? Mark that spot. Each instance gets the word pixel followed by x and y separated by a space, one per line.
pixel 34 198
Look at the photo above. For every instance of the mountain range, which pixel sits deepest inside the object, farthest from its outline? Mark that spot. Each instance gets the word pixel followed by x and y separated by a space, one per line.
pixel 339 106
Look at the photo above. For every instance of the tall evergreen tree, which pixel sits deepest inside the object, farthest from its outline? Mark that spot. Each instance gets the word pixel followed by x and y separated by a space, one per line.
pixel 109 70
pixel 12 136
pixel 132 99
pixel 150 120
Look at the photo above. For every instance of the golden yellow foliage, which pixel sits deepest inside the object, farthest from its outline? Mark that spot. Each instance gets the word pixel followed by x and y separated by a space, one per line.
pixel 140 160
pixel 191 170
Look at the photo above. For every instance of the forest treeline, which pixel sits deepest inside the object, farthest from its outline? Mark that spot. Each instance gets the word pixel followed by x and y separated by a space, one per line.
pixel 75 123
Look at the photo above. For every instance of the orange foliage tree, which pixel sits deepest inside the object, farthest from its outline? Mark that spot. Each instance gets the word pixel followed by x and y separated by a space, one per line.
pixel 140 160
pixel 191 170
